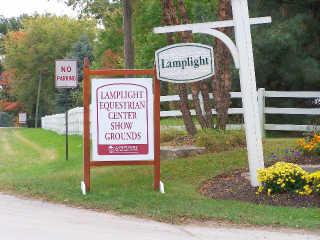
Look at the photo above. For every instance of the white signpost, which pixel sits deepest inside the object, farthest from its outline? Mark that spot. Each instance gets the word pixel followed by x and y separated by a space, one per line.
pixel 184 62
pixel 243 58
pixel 122 119
pixel 22 117
pixel 66 73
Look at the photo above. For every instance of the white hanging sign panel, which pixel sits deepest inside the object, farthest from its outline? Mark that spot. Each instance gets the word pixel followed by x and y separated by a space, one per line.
pixel 184 62
pixel 22 117
pixel 66 73
pixel 122 119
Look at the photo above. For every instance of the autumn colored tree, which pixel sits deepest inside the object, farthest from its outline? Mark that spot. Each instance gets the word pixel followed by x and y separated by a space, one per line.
pixel 35 49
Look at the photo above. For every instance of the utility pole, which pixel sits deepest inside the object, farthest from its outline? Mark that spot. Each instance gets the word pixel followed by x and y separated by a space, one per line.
pixel 127 29
pixel 38 99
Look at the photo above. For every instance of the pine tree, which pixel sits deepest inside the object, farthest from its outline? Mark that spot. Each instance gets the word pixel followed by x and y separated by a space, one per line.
pixel 74 97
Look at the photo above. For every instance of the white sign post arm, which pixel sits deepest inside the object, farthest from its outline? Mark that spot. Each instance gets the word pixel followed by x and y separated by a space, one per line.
pixel 196 26
pixel 248 87
pixel 243 58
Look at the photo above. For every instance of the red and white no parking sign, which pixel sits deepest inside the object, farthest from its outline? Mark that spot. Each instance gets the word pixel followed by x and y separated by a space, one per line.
pixel 66 74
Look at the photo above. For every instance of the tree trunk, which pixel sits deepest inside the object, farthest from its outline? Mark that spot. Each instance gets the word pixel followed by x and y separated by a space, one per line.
pixel 195 87
pixel 170 18
pixel 221 82
pixel 185 110
pixel 127 29
pixel 207 104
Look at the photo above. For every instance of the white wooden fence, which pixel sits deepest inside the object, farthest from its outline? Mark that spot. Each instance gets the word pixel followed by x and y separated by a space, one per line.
pixel 75 116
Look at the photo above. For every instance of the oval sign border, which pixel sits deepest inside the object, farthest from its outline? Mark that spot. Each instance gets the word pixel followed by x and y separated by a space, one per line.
pixel 210 48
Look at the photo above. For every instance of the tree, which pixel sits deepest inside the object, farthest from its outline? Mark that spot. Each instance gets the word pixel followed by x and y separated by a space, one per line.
pixel 5 119
pixel 286 52
pixel 289 47
pixel 35 49
pixel 170 18
pixel 197 87
pixel 74 97
pixel 221 81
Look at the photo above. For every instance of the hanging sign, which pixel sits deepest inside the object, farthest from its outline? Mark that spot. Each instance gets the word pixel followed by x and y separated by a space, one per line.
pixel 66 74
pixel 184 62
pixel 122 120
pixel 22 117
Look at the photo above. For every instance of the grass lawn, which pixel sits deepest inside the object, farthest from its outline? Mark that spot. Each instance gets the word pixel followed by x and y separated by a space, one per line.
pixel 32 163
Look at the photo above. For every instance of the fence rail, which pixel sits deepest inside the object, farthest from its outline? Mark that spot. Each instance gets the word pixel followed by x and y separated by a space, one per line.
pixel 75 116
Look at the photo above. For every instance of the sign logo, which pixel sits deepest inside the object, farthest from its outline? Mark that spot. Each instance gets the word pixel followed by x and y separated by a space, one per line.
pixel 22 117
pixel 123 119
pixel 66 74
pixel 184 62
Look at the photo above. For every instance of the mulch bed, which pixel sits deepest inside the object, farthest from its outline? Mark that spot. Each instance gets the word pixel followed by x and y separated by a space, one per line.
pixel 236 186
pixel 303 160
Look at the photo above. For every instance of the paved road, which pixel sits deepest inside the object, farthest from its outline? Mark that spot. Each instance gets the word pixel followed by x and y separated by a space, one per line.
pixel 36 220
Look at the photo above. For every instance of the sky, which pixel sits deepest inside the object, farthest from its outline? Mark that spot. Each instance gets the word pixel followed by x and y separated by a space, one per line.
pixel 14 8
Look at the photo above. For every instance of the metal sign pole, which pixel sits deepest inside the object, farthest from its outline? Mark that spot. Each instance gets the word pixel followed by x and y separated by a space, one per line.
pixel 66 76
pixel 66 119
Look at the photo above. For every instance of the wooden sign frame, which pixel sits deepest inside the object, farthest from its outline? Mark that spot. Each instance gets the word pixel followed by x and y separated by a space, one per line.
pixel 87 162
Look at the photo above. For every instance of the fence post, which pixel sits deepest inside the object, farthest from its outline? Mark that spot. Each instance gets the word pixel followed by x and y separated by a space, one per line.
pixel 201 103
pixel 261 105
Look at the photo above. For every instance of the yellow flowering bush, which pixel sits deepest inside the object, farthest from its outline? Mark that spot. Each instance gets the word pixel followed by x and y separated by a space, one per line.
pixel 314 181
pixel 310 144
pixel 283 177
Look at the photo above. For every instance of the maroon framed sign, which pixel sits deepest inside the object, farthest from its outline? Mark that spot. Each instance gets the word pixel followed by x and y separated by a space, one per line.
pixel 125 120
pixel 122 124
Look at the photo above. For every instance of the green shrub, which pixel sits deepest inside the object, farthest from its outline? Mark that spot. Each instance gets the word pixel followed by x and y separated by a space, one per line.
pixel 5 120
pixel 171 135
pixel 217 140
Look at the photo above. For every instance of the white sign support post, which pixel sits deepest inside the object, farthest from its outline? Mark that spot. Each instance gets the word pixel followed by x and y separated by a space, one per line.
pixel 248 88
pixel 243 59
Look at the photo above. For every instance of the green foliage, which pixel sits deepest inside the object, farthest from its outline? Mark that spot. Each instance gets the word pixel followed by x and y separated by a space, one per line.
pixel 9 24
pixel 5 120
pixel 43 40
pixel 63 100
pixel 216 140
pixel 74 97
pixel 287 54
pixel 147 15
pixel 283 177
pixel 171 135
